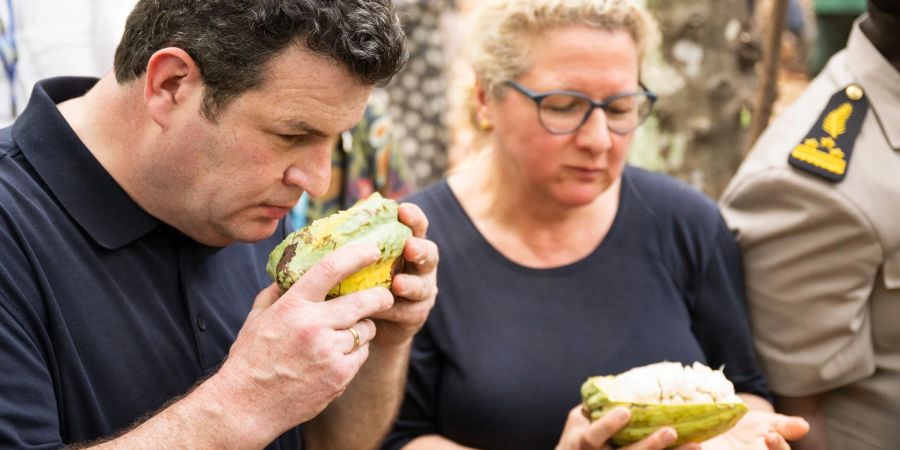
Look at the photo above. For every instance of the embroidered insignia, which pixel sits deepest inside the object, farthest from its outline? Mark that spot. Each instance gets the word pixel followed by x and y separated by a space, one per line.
pixel 826 149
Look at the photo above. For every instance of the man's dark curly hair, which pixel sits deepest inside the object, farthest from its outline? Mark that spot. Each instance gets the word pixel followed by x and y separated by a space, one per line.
pixel 232 40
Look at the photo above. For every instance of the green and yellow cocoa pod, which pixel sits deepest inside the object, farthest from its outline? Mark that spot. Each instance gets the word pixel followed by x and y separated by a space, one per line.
pixel 698 402
pixel 372 220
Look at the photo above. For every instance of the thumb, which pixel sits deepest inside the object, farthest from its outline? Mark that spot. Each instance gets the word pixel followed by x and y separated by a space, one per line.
pixel 791 427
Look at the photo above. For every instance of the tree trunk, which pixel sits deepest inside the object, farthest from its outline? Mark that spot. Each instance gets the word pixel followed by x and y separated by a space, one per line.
pixel 704 75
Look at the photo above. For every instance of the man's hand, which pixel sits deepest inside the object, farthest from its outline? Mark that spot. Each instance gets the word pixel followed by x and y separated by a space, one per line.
pixel 362 416
pixel 294 354
pixel 415 288
pixel 580 434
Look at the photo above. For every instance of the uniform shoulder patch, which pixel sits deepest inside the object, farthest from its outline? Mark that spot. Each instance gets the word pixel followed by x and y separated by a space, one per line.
pixel 827 147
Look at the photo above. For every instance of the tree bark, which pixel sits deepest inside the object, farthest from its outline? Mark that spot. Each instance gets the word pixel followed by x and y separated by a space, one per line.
pixel 765 93
pixel 704 75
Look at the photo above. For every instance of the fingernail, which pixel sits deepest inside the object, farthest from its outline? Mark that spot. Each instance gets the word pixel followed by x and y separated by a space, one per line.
pixel 669 435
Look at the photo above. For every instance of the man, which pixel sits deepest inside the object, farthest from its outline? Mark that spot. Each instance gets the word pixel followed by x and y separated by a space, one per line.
pixel 815 210
pixel 128 211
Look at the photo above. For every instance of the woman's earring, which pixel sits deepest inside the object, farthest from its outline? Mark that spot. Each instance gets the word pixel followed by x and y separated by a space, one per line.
pixel 485 125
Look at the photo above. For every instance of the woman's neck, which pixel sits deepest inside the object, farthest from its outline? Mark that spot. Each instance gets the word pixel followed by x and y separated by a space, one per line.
pixel 526 227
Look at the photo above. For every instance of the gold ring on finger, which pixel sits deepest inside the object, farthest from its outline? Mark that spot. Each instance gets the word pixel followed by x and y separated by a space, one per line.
pixel 356 341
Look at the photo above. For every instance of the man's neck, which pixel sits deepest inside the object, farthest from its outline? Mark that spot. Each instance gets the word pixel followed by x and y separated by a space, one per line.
pixel 881 29
pixel 101 120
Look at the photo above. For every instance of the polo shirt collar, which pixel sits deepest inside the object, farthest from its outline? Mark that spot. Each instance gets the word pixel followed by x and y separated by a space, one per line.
pixel 81 184
pixel 880 80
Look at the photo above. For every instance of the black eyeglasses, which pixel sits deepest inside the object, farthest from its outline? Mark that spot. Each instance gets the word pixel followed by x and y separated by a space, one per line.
pixel 564 112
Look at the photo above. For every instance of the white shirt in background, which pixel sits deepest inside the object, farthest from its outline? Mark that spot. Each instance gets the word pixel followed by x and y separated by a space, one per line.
pixel 57 38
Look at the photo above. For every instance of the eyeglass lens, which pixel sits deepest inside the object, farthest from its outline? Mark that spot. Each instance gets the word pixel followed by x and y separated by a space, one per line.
pixel 564 113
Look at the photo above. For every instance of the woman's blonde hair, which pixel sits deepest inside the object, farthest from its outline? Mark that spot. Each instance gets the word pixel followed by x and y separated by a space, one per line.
pixel 500 34
pixel 502 30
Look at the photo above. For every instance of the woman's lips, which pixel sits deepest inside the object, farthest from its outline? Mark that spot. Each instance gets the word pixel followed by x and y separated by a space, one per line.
pixel 590 172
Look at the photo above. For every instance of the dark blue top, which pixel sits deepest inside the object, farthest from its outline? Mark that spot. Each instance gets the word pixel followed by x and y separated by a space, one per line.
pixel 502 356
pixel 105 312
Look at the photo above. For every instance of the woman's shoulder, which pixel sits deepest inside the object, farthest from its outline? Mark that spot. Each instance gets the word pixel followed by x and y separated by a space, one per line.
pixel 440 206
pixel 433 198
pixel 668 198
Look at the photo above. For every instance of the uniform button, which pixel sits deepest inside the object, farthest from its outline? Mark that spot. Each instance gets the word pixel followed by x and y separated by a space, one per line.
pixel 201 324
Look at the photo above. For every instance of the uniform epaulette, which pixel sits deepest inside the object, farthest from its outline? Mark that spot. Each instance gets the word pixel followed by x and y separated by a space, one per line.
pixel 826 149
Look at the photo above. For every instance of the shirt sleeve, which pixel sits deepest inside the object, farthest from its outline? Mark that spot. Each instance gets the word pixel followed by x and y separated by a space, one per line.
pixel 811 259
pixel 417 413
pixel 28 409
pixel 719 315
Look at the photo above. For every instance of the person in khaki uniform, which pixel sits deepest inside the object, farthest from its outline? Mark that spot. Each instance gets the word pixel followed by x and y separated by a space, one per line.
pixel 821 242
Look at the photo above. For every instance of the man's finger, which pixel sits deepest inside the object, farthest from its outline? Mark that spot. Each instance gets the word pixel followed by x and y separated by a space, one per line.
pixel 406 312
pixel 264 300
pixel 332 269
pixel 413 287
pixel 356 335
pixel 422 253
pixel 414 218
pixel 346 310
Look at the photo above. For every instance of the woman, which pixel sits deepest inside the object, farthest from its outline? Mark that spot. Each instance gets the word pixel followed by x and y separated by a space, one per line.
pixel 559 262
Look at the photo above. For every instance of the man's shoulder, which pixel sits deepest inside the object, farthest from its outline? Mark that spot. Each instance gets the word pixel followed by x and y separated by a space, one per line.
pixel 18 185
pixel 827 148
pixel 816 133
pixel 8 147
pixel 791 126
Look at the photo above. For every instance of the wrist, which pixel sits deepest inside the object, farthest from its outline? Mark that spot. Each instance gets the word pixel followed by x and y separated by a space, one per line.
pixel 390 336
pixel 230 414
pixel 390 344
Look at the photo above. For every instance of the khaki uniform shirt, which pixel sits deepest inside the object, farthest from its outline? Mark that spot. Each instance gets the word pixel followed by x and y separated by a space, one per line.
pixel 822 259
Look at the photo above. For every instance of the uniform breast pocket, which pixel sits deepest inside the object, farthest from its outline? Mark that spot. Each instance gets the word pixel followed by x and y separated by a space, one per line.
pixel 886 305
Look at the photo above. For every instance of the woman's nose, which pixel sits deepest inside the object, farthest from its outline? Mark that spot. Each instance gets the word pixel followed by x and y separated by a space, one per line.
pixel 594 134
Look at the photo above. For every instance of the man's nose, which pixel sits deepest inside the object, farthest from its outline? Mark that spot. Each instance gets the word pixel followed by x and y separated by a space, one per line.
pixel 312 173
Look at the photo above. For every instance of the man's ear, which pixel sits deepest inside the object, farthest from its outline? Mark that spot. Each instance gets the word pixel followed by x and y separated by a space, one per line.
pixel 172 80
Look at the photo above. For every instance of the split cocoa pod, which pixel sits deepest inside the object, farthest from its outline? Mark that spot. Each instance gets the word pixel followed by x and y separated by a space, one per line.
pixel 371 220
pixel 698 402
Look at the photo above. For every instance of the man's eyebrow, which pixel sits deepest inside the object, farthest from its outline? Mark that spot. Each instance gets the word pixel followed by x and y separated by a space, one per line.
pixel 303 127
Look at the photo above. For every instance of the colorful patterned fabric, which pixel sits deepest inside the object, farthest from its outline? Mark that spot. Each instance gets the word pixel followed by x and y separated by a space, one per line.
pixel 366 160
pixel 419 92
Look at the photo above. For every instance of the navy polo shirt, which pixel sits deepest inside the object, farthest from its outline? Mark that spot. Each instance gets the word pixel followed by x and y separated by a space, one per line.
pixel 106 313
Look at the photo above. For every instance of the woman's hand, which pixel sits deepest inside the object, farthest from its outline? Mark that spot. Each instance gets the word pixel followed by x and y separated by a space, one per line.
pixel 760 430
pixel 580 434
